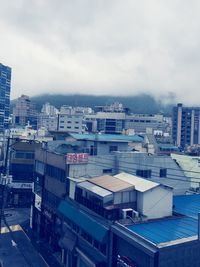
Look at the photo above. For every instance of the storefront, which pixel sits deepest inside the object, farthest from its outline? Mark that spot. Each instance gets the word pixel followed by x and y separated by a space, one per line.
pixel 20 194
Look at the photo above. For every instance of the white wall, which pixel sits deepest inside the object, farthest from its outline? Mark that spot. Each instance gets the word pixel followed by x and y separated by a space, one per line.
pixel 125 197
pixel 155 203
pixel 130 162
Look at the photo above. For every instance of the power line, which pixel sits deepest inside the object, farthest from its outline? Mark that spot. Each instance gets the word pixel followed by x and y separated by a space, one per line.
pixel 174 179
pixel 149 165
pixel 131 170
pixel 175 175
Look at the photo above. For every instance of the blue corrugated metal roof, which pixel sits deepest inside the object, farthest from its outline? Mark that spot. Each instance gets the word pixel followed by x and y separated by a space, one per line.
pixel 165 230
pixel 85 222
pixel 107 137
pixel 188 205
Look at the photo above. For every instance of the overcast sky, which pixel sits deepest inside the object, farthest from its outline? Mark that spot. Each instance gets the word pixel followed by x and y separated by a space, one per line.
pixel 119 47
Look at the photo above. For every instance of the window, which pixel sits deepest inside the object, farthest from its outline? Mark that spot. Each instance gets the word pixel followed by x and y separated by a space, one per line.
pixel 144 173
pixel 163 172
pixel 51 199
pixel 39 167
pixel 93 150
pixel 24 155
pixel 107 170
pixel 113 148
pixel 55 172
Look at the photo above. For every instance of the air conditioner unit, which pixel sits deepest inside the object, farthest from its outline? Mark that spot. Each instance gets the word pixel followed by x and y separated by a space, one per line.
pixel 135 214
pixel 129 213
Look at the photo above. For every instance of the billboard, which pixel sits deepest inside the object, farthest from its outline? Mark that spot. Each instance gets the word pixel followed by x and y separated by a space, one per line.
pixel 77 158
pixel 17 185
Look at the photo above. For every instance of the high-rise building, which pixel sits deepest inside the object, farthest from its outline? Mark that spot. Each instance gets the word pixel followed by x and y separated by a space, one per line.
pixel 24 112
pixel 186 125
pixel 5 79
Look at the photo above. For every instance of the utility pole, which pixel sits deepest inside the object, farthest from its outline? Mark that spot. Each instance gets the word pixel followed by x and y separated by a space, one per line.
pixel 4 182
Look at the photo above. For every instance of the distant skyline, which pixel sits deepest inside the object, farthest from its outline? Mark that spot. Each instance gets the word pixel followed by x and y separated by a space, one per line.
pixel 100 47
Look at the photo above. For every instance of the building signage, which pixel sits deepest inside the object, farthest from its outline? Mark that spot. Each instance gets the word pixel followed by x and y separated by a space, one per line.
pixel 77 158
pixel 38 201
pixel 22 185
pixel 48 214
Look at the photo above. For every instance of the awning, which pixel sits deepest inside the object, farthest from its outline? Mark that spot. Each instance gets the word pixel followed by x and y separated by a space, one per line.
pixel 84 221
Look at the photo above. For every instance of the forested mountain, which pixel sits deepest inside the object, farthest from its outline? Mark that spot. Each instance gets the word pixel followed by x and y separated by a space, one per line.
pixel 142 103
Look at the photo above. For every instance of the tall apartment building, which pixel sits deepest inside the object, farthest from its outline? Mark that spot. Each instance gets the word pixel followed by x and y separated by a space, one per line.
pixel 49 109
pixel 24 112
pixel 5 78
pixel 186 125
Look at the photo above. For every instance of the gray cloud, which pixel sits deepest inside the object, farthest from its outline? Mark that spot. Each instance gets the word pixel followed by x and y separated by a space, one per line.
pixel 103 47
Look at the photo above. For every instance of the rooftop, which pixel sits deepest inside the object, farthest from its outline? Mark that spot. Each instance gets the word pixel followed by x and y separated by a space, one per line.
pixel 175 228
pixel 108 137
pixel 95 189
pixel 111 183
pixel 166 230
pixel 63 147
pixel 188 205
pixel 140 184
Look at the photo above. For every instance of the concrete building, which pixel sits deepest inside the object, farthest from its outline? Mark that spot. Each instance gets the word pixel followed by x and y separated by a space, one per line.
pixel 85 224
pixel 50 110
pixel 191 168
pixel 141 122
pixel 160 169
pixel 71 123
pixel 123 194
pixel 114 107
pixel 5 79
pixel 160 243
pixel 75 110
pixel 132 240
pixel 49 122
pixel 119 122
pixel 24 112
pixel 22 159
pixel 52 167
pixel 77 199
pixel 48 118
pixel 186 125
pixel 104 144
pixel 106 122
pixel 153 200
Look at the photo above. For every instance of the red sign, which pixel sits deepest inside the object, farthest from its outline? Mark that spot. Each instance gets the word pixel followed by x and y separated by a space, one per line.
pixel 77 158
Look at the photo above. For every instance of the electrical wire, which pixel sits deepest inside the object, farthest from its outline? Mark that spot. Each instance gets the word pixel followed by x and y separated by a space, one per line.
pixel 133 169
pixel 172 175
pixel 154 166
